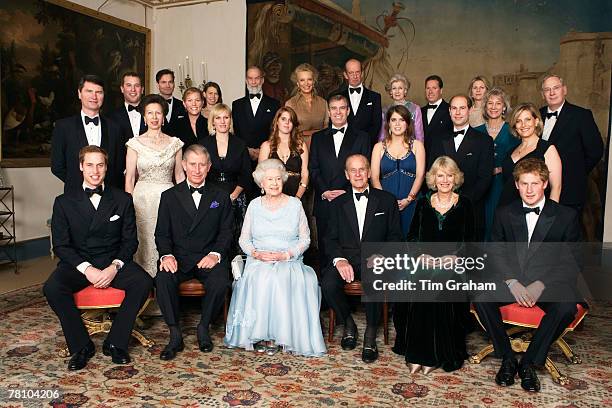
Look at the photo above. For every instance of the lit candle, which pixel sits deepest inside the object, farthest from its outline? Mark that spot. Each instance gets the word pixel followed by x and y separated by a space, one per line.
pixel 180 73
pixel 187 65
pixel 203 73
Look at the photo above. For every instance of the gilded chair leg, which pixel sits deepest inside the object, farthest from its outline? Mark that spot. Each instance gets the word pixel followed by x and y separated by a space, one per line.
pixel 478 357
pixel 555 373
pixel 386 322
pixel 142 339
pixel 332 325
pixel 567 350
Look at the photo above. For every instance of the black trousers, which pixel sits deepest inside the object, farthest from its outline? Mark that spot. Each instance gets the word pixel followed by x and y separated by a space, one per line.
pixel 332 286
pixel 558 316
pixel 215 280
pixel 66 280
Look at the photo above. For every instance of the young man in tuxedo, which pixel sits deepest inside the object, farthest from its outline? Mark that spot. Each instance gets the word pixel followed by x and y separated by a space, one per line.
pixel 87 128
pixel 363 214
pixel 193 236
pixel 365 113
pixel 128 115
pixel 436 116
pixel 252 117
pixel 94 236
pixel 328 153
pixel 574 133
pixel 537 269
pixel 176 109
pixel 473 153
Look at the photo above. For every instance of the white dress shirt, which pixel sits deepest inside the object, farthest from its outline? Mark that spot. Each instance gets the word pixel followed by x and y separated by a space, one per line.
pixel 255 102
pixel 431 112
pixel 532 218
pixel 93 132
pixel 549 124
pixel 459 138
pixel 134 116
pixel 355 98
pixel 338 137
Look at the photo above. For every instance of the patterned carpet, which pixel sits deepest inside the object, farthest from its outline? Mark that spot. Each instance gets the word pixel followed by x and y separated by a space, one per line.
pixel 31 339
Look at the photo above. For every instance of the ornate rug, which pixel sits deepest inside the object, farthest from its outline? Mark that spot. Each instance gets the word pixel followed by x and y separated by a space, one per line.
pixel 32 338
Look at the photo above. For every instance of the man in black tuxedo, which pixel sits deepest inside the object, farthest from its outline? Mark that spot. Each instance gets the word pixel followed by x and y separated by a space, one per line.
pixel 328 152
pixel 176 110
pixel 87 128
pixel 364 214
pixel 94 236
pixel 574 133
pixel 537 270
pixel 436 116
pixel 473 153
pixel 252 116
pixel 365 104
pixel 193 236
pixel 128 115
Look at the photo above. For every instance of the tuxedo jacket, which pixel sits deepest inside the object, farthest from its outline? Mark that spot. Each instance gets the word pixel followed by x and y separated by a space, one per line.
pixel 579 143
pixel 253 129
pixel 81 233
pixel 475 159
pixel 546 258
pixel 188 233
pixel 178 112
pixel 69 137
pixel 439 125
pixel 368 117
pixel 183 130
pixel 381 224
pixel 325 169
pixel 121 118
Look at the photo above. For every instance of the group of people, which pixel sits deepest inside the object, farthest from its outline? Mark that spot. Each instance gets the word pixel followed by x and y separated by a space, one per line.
pixel 162 191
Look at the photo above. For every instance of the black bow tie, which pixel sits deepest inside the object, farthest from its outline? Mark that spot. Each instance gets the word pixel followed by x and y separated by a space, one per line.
pixel 169 100
pixel 255 95
pixel 193 189
pixel 95 120
pixel 364 194
pixel 91 191
pixel 132 108
pixel 527 210
pixel 353 90
pixel 341 130
pixel 432 106
pixel 551 114
pixel 458 132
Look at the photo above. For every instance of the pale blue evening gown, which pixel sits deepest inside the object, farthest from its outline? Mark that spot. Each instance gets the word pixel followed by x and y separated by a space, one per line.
pixel 276 300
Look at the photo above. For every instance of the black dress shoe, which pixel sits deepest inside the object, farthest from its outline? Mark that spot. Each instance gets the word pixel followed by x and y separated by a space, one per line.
pixel 80 358
pixel 169 352
pixel 349 339
pixel 506 373
pixel 369 353
pixel 119 356
pixel 205 343
pixel 529 379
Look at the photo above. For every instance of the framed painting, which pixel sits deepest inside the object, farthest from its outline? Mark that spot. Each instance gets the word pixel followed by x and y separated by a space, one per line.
pixel 45 48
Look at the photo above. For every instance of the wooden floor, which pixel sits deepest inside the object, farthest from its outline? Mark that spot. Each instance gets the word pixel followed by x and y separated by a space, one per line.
pixel 30 272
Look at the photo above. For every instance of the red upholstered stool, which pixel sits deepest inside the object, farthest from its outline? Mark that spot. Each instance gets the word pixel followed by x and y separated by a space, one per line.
pixel 96 304
pixel 522 319
pixel 355 289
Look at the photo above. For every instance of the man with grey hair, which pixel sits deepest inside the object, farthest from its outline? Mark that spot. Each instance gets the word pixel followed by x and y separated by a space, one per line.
pixel 574 133
pixel 193 236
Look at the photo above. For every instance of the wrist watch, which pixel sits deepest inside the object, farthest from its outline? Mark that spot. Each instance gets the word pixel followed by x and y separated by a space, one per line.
pixel 117 266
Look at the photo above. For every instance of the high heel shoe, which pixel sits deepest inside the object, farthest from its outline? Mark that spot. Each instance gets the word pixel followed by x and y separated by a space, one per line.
pixel 427 370
pixel 414 368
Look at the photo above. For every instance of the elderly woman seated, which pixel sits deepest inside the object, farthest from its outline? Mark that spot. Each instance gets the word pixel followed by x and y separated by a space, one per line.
pixel 277 299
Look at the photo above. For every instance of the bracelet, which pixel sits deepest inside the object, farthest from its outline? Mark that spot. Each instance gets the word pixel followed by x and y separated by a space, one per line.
pixel 303 185
pixel 411 197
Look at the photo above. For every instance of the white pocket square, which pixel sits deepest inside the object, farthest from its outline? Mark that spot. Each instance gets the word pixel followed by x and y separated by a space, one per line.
pixel 268 110
pixel 114 218
pixel 380 213
pixel 469 154
pixel 369 103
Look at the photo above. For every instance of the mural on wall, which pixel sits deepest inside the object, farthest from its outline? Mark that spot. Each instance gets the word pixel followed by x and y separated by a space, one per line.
pixel 46 46
pixel 512 43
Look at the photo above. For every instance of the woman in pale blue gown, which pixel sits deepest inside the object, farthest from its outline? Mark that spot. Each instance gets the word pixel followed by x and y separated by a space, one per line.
pixel 277 299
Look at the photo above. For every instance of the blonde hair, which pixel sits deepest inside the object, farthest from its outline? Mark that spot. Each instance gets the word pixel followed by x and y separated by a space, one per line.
pixel 305 67
pixel 214 111
pixel 535 113
pixel 499 93
pixel 447 165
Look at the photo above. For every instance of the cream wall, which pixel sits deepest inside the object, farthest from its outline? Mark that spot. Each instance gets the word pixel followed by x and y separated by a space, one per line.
pixel 177 32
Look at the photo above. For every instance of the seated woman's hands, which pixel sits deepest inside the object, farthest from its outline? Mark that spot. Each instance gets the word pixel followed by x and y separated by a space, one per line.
pixel 270 256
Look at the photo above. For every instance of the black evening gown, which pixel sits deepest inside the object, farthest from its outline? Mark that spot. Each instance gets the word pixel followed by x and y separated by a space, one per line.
pixel 433 334
pixel 294 168
pixel 510 193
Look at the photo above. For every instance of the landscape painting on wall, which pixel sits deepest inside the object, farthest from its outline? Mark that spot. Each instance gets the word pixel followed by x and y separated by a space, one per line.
pixel 46 46
pixel 512 43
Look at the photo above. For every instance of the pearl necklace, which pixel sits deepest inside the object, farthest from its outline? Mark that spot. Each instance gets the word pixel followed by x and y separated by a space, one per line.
pixel 444 206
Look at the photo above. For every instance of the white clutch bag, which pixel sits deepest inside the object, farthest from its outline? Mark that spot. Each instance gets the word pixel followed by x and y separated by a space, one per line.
pixel 238 266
